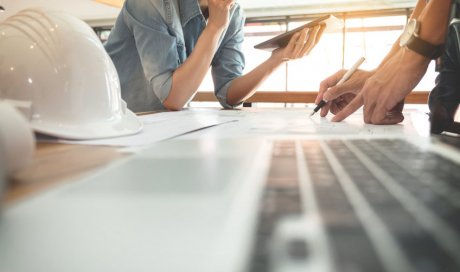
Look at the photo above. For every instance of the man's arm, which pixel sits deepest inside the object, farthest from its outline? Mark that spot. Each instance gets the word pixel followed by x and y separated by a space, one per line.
pixel 397 77
pixel 329 90
pixel 434 19
pixel 421 4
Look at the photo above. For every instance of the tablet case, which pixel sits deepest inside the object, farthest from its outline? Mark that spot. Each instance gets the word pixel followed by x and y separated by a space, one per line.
pixel 282 40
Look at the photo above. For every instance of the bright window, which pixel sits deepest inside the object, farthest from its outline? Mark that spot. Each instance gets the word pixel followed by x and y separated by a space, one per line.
pixel 325 59
pixel 368 36
pixel 256 33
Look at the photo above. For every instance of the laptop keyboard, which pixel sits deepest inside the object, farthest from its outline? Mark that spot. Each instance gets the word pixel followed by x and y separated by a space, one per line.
pixel 384 205
pixel 281 198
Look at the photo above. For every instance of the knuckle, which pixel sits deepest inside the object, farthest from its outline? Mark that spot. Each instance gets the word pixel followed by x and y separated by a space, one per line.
pixel 376 120
pixel 326 82
pixel 333 90
pixel 367 120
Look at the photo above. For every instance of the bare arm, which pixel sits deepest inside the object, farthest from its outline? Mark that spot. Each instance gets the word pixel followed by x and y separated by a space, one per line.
pixel 188 77
pixel 384 92
pixel 244 86
pixel 330 91
pixel 434 23
pixel 299 46
pixel 415 14
pixel 434 20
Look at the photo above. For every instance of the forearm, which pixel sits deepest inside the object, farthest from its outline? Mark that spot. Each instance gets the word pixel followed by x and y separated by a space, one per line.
pixel 395 48
pixel 434 20
pixel 244 87
pixel 433 27
pixel 188 77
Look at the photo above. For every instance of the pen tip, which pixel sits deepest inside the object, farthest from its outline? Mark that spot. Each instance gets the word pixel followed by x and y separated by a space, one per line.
pixel 313 113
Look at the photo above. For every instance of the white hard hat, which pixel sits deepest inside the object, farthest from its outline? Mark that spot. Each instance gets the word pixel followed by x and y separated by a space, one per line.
pixel 56 71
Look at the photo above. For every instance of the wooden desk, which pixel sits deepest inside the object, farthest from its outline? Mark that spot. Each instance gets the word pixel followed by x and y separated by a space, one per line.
pixel 56 163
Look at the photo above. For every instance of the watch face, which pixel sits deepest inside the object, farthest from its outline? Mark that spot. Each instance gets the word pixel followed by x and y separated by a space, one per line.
pixel 408 32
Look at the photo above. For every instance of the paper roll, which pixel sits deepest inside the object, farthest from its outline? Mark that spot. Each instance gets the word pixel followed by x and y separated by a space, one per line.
pixel 17 141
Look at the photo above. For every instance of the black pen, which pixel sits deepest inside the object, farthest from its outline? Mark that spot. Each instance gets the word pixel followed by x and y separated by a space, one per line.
pixel 345 77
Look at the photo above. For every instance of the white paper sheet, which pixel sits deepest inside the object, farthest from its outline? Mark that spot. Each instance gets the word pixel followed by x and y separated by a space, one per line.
pixel 251 123
pixel 297 122
pixel 158 127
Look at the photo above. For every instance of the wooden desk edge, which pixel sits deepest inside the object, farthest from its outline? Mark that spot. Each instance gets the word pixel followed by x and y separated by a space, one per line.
pixel 54 164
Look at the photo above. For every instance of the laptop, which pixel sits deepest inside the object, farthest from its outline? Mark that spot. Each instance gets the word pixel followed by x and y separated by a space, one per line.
pixel 318 203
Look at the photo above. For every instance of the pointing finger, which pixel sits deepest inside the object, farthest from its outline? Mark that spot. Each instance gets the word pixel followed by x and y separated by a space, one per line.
pixel 354 105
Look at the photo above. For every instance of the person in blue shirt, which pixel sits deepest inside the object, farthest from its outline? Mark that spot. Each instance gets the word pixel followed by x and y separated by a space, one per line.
pixel 162 50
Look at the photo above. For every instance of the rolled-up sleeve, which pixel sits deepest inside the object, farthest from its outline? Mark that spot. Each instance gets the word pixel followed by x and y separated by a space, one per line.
pixel 446 92
pixel 156 47
pixel 228 62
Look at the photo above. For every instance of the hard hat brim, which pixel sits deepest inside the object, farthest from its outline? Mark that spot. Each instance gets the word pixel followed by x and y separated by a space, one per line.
pixel 127 124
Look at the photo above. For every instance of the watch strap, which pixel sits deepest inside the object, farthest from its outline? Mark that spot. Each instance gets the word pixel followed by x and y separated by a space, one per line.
pixel 425 48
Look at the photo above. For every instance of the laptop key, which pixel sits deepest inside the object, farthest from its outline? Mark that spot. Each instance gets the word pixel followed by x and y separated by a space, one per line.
pixel 417 242
pixel 430 187
pixel 350 245
pixel 281 199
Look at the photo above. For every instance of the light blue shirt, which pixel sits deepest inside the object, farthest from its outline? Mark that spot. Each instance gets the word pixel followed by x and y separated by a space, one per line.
pixel 152 38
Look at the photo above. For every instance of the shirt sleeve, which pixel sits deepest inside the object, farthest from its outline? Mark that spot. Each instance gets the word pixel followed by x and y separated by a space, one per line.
pixel 228 63
pixel 446 92
pixel 156 47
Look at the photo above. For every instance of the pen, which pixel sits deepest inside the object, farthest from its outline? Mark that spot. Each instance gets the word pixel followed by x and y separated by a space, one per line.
pixel 345 77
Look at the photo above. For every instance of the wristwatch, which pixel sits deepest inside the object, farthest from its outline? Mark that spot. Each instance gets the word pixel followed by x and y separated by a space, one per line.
pixel 411 40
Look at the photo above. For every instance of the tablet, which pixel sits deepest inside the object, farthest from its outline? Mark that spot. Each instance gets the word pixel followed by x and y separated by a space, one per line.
pixel 282 40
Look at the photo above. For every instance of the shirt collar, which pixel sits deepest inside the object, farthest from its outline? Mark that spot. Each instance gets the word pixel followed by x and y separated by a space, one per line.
pixel 188 10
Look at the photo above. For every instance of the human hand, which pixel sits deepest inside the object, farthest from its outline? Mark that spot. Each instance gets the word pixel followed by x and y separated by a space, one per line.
pixel 383 93
pixel 219 13
pixel 300 44
pixel 339 96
